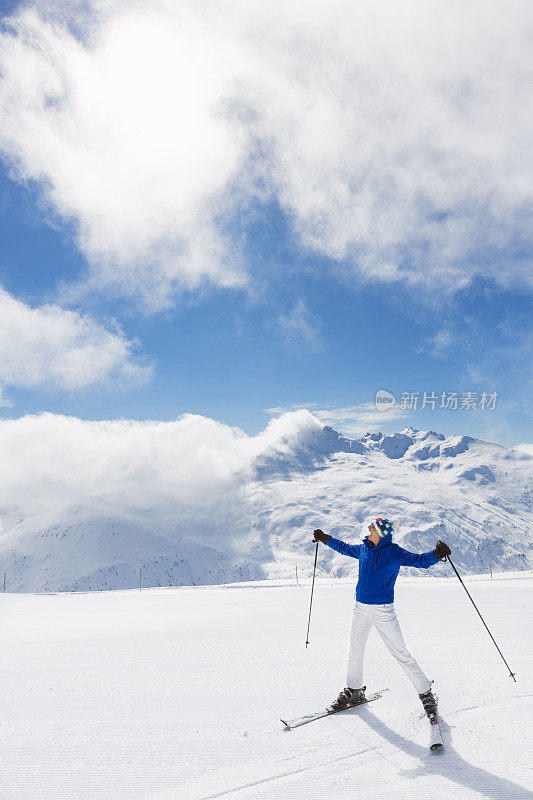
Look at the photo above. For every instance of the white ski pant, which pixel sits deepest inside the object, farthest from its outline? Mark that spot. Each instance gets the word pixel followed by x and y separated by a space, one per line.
pixel 384 618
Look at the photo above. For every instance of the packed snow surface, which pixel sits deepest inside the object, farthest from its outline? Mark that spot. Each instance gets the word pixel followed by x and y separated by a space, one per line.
pixel 193 502
pixel 177 694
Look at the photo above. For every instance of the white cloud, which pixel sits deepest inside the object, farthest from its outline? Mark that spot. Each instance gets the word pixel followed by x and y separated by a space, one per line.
pixel 48 460
pixel 524 448
pixel 127 135
pixel 52 347
pixel 350 420
pixel 394 136
pixel 299 327
pixel 438 345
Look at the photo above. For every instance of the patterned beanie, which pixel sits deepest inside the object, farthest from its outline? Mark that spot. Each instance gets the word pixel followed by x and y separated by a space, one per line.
pixel 385 527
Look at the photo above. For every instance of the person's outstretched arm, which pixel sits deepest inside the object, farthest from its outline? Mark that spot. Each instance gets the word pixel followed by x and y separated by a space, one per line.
pixel 424 560
pixel 351 550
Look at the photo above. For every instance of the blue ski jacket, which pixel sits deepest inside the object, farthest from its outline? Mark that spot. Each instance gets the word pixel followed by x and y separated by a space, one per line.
pixel 379 566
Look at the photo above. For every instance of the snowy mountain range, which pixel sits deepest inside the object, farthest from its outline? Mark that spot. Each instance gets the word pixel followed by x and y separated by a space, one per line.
pixel 473 494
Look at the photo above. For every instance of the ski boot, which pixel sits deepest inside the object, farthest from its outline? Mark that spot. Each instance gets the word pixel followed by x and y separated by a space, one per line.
pixel 347 698
pixel 430 705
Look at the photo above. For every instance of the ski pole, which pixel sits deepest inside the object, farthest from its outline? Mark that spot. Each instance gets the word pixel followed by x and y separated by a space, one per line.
pixel 511 674
pixel 311 602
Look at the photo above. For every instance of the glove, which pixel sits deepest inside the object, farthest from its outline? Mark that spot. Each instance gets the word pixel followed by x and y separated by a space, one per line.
pixel 442 550
pixel 320 536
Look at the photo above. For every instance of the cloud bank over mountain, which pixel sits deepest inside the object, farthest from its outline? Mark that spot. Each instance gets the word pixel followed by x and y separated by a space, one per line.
pixel 85 505
pixel 49 460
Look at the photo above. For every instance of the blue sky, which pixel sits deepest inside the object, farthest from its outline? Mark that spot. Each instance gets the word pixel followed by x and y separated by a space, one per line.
pixel 290 271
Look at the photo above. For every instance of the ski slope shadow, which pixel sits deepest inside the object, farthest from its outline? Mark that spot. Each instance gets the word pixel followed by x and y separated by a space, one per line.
pixel 447 763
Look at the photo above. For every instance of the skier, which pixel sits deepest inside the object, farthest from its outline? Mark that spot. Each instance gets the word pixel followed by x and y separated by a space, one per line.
pixel 380 560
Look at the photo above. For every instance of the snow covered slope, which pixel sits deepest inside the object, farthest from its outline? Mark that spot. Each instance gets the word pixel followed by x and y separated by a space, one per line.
pixel 176 694
pixel 472 494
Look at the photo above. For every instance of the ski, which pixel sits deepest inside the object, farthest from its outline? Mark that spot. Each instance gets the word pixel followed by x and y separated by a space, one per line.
pixel 435 735
pixel 297 721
